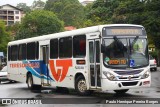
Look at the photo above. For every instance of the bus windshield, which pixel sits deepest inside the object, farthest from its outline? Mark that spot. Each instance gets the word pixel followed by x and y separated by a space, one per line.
pixel 125 52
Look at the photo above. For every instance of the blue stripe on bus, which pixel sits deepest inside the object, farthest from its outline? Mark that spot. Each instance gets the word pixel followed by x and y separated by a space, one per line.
pixel 37 71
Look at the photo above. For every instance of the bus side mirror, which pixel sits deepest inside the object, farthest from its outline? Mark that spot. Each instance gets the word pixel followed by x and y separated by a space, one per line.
pixel 102 48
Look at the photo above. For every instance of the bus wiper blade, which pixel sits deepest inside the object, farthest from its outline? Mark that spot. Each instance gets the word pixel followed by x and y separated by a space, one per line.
pixel 115 38
pixel 135 39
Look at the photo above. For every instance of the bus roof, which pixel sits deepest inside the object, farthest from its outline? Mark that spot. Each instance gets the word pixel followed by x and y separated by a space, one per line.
pixel 68 33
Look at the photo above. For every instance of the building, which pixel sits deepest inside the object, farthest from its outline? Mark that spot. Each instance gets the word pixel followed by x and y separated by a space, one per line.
pixel 10 14
pixel 84 3
pixel 69 28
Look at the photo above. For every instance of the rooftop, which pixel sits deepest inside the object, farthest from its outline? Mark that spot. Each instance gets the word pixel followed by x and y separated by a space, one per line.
pixel 1 7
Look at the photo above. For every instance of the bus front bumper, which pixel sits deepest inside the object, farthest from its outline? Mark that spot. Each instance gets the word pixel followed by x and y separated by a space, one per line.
pixel 118 85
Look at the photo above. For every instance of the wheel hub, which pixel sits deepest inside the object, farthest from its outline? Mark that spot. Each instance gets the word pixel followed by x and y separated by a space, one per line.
pixel 82 86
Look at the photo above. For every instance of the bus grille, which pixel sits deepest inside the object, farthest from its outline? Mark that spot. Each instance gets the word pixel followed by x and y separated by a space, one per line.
pixel 129 72
pixel 129 83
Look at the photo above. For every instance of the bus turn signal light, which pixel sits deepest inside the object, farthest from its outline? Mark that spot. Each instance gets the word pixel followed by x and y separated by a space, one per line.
pixel 80 61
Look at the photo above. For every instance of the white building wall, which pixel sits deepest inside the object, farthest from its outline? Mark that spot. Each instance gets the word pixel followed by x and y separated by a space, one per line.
pixel 17 15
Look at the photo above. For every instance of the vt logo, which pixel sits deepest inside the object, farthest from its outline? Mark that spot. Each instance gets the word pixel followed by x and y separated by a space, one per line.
pixel 63 65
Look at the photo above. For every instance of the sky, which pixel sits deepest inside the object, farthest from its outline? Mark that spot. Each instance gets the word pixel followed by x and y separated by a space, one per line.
pixel 15 2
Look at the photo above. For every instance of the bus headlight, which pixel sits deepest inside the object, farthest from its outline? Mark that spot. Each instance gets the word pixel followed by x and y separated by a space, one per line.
pixel 145 75
pixel 109 76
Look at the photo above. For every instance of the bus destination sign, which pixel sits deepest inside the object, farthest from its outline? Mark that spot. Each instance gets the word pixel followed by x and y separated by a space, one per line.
pixel 124 31
pixel 118 62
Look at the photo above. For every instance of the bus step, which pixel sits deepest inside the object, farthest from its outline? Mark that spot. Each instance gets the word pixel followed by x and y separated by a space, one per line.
pixel 46 84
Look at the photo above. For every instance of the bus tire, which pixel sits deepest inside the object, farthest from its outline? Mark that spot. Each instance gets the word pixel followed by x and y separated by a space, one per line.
pixel 121 91
pixel 30 84
pixel 155 69
pixel 81 87
pixel 30 81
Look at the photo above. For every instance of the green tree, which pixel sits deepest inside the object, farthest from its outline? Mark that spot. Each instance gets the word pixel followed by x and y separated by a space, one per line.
pixel 39 22
pixel 129 11
pixel 23 7
pixel 152 23
pixel 70 11
pixel 4 37
pixel 88 22
pixel 49 4
pixel 102 11
pixel 73 16
pixel 38 4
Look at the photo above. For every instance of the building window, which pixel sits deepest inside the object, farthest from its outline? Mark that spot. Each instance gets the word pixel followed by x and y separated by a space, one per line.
pixel 3 12
pixel 79 46
pixel 17 12
pixel 10 17
pixel 10 12
pixel 65 47
pixel 54 48
pixel 17 17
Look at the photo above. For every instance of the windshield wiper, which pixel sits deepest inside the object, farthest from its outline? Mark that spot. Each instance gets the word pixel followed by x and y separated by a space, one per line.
pixel 134 41
pixel 115 38
pixel 131 44
pixel 120 44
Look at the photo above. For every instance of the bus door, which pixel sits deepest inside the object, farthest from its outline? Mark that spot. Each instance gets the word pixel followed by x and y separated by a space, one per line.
pixel 94 63
pixel 44 65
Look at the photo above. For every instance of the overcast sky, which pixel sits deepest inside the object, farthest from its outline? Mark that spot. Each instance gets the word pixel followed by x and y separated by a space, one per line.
pixel 15 2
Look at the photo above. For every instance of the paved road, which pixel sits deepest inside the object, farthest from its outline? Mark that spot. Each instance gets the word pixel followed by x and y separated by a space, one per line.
pixel 20 90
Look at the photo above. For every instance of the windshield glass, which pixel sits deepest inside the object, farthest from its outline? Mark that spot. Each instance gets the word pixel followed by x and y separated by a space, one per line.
pixel 125 52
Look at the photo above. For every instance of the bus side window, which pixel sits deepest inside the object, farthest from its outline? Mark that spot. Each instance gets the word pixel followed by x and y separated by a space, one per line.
pixel 9 53
pixel 31 50
pixel 79 46
pixel 54 48
pixel 14 53
pixel 65 47
pixel 22 52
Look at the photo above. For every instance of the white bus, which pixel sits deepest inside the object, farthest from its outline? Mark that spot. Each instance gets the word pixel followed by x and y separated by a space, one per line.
pixel 105 57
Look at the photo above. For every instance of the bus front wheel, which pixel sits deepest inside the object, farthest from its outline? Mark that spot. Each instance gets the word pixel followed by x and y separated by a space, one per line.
pixel 121 91
pixel 81 86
